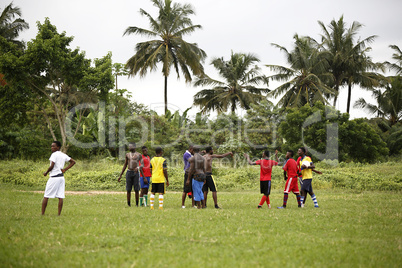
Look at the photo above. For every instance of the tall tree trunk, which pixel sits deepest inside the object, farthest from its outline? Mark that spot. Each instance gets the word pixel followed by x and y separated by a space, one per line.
pixel 349 97
pixel 336 93
pixel 166 94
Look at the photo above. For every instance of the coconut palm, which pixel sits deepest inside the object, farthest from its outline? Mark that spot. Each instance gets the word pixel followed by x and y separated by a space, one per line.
pixel 238 89
pixel 389 102
pixel 168 48
pixel 339 42
pixel 398 57
pixel 307 77
pixel 10 26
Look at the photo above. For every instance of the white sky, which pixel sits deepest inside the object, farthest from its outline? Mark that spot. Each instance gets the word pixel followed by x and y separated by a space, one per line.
pixel 248 26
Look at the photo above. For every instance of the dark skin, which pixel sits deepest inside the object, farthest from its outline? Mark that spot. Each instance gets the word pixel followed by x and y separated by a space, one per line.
pixel 208 168
pixel 197 166
pixel 164 173
pixel 132 163
pixel 144 191
pixel 263 157
pixel 301 153
pixel 55 148
pixel 183 196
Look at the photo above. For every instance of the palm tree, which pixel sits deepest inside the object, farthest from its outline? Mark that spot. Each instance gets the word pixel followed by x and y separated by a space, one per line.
pixel 306 78
pixel 339 43
pixel 170 49
pixel 239 87
pixel 11 27
pixel 389 102
pixel 398 57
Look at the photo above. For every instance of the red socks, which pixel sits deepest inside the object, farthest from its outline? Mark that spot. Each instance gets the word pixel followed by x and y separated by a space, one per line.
pixel 263 199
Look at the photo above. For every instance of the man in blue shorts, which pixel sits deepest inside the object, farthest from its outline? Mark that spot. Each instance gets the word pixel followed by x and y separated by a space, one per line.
pixel 197 173
pixel 145 181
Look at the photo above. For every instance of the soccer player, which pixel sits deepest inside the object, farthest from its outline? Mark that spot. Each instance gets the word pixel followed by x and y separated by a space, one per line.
pixel 145 181
pixel 197 173
pixel 291 169
pixel 187 189
pixel 307 177
pixel 133 159
pixel 55 186
pixel 265 175
pixel 159 177
pixel 209 181
pixel 300 174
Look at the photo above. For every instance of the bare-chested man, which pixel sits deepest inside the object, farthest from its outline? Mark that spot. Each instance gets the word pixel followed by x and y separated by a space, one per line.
pixel 197 172
pixel 209 182
pixel 133 159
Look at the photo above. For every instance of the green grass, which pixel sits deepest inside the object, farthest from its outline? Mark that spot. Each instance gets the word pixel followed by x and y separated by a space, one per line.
pixel 348 230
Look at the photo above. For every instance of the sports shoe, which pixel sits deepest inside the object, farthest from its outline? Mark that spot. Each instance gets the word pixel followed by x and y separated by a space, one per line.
pixel 259 206
pixel 216 206
pixel 183 206
pixel 281 207
pixel 160 208
pixel 316 206
pixel 152 208
pixel 269 205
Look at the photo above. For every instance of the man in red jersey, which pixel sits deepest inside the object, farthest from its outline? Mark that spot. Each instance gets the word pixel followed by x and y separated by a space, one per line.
pixel 145 181
pixel 265 175
pixel 291 169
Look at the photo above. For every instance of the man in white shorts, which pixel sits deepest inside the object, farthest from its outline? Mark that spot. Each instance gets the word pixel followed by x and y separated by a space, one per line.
pixel 55 185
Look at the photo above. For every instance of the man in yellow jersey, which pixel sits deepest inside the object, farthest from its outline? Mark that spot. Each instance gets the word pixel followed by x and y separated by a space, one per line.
pixel 306 167
pixel 158 168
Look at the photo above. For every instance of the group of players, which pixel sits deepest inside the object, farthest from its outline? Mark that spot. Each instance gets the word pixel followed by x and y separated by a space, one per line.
pixel 198 180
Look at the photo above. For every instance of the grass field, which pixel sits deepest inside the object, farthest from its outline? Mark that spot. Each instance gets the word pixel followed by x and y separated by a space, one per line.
pixel 348 230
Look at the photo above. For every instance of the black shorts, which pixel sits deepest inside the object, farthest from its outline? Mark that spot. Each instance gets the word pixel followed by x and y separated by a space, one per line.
pixel 209 183
pixel 265 187
pixel 132 180
pixel 158 188
pixel 189 188
pixel 307 186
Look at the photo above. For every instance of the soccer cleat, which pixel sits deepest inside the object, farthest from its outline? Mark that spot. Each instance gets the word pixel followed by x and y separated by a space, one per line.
pixel 183 206
pixel 281 207
pixel 259 206
pixel 160 208
pixel 269 205
pixel 216 206
pixel 316 206
pixel 152 208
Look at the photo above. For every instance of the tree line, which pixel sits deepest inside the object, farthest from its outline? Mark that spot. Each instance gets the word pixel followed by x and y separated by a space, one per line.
pixel 44 81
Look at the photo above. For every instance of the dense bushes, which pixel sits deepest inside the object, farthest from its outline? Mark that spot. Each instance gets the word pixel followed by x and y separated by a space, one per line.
pixel 103 174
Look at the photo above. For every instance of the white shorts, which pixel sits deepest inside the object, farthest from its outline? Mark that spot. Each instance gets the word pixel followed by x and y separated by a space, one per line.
pixel 55 187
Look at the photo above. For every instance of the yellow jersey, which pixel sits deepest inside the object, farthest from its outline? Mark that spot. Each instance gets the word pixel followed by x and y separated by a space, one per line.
pixel 157 165
pixel 307 173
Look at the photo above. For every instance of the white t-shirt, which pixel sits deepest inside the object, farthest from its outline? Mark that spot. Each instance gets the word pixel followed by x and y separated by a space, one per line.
pixel 59 160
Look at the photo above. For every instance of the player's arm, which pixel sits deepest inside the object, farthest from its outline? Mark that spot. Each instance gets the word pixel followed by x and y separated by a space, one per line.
pixel 72 163
pixel 190 170
pixel 312 166
pixel 124 168
pixel 165 173
pixel 248 159
pixel 49 169
pixel 317 171
pixel 221 155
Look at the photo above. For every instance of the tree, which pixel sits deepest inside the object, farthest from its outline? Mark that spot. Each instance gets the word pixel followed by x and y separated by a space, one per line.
pixel 306 78
pixel 339 42
pixel 171 49
pixel 389 102
pixel 10 27
pixel 119 69
pixel 239 87
pixel 397 56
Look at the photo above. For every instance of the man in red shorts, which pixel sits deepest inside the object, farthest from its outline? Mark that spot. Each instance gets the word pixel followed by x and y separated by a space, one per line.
pixel 291 169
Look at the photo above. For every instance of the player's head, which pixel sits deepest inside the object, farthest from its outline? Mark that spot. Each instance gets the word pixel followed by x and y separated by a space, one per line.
pixel 191 149
pixel 302 151
pixel 132 146
pixel 158 150
pixel 209 150
pixel 265 153
pixel 196 149
pixel 144 150
pixel 289 154
pixel 56 145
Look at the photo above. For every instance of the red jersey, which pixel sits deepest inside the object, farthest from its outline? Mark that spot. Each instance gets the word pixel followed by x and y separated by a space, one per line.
pixel 291 168
pixel 298 164
pixel 266 168
pixel 146 169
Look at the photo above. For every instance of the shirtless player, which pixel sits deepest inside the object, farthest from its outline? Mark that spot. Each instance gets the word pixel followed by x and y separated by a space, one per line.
pixel 197 172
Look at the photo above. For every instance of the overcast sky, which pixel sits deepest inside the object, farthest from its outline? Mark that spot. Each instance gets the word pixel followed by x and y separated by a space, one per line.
pixel 248 26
